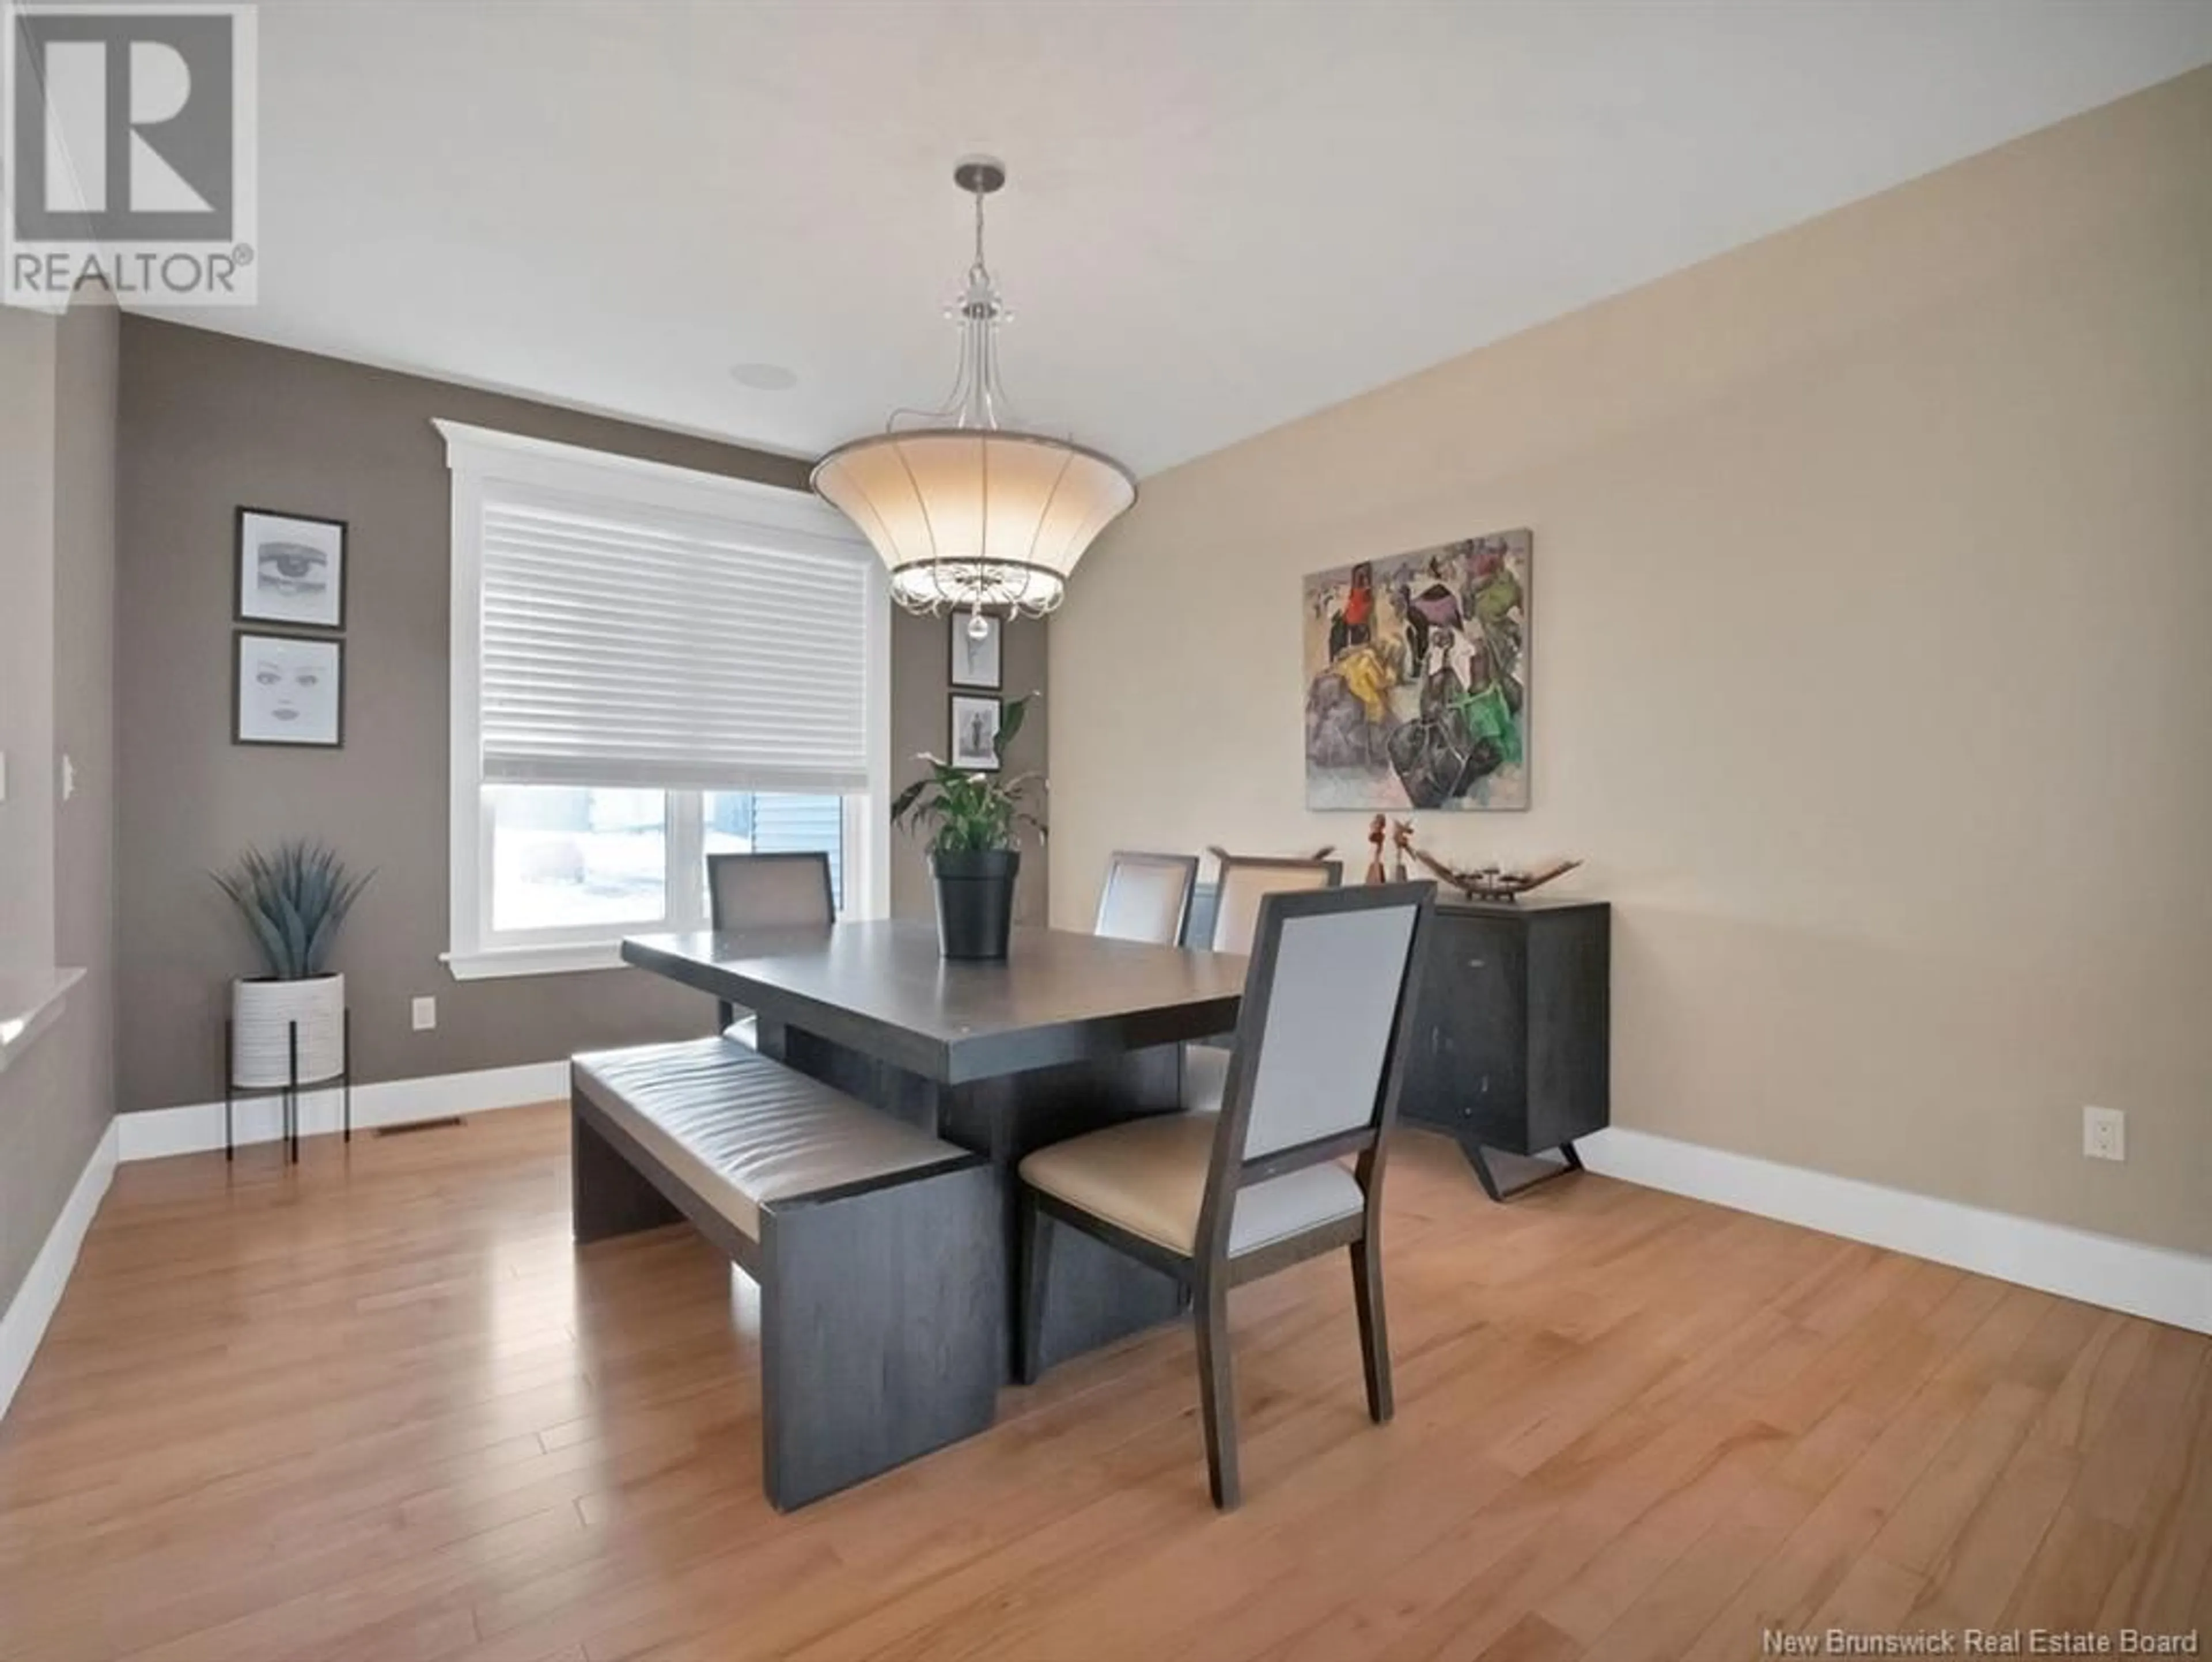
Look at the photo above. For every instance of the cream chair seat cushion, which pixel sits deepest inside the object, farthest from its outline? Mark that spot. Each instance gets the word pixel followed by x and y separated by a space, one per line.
pixel 1148 1177
pixel 742 1130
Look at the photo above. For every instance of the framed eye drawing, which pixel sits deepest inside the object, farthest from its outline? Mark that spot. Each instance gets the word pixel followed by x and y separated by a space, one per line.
pixel 291 569
pixel 288 689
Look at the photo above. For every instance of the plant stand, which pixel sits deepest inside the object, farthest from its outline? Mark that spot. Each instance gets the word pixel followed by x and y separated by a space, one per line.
pixel 289 1091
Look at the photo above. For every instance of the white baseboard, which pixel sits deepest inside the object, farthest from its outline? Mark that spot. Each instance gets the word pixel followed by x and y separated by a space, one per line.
pixel 23 1324
pixel 198 1127
pixel 2158 1282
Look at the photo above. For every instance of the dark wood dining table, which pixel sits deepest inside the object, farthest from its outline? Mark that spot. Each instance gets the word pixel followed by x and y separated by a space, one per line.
pixel 1070 1034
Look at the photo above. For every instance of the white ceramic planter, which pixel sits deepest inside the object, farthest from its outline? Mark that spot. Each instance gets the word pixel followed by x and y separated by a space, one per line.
pixel 261 1017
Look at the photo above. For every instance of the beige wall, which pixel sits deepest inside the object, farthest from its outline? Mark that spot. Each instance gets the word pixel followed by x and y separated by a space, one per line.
pixel 1873 666
pixel 56 640
pixel 209 423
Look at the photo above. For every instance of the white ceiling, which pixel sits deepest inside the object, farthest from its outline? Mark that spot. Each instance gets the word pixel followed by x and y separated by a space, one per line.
pixel 1221 215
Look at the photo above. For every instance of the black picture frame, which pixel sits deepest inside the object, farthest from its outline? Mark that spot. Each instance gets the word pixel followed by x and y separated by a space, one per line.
pixel 976 763
pixel 241 595
pixel 333 645
pixel 961 669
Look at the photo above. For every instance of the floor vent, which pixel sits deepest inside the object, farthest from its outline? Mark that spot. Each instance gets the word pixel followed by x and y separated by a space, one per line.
pixel 445 1123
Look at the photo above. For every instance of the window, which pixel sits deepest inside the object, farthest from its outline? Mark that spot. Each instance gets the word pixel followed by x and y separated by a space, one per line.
pixel 650 665
pixel 567 855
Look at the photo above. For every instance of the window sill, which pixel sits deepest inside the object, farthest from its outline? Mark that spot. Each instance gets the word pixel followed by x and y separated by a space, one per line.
pixel 569 958
pixel 30 1003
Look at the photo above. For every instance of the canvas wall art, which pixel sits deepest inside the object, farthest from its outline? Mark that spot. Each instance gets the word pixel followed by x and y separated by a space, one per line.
pixel 1417 678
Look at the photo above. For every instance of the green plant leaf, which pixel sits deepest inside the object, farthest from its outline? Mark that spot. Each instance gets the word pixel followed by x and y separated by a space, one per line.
pixel 266 936
pixel 907 797
pixel 1010 722
pixel 293 900
pixel 963 811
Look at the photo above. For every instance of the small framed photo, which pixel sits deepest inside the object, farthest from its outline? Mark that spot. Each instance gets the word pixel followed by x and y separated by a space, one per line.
pixel 975 748
pixel 975 656
pixel 288 689
pixel 291 569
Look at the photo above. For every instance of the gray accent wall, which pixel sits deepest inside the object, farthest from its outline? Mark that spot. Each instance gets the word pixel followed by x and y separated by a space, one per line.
pixel 210 423
pixel 28 346
pixel 58 419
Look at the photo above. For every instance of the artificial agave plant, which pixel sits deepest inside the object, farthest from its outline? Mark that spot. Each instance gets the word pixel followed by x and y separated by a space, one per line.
pixel 971 812
pixel 293 900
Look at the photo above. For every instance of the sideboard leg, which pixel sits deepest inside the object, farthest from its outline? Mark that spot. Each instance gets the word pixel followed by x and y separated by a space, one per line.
pixel 1474 1153
pixel 1569 1162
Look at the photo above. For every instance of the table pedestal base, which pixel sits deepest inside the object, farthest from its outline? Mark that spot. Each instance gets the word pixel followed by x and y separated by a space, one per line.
pixel 1096 1295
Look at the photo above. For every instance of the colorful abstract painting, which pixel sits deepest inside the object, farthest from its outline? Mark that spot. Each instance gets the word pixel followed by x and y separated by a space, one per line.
pixel 1417 678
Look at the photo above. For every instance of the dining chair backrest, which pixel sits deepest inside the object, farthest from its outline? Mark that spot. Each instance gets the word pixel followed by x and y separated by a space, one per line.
pixel 1320 1037
pixel 1244 881
pixel 1147 896
pixel 769 891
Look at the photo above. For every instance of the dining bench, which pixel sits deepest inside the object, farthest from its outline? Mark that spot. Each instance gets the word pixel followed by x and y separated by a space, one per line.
pixel 875 1246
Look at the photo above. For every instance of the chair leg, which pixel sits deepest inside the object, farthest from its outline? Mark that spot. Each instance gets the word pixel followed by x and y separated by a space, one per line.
pixel 1374 1332
pixel 1217 1390
pixel 725 1013
pixel 1036 1274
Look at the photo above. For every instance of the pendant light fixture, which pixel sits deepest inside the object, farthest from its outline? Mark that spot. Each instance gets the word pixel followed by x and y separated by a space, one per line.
pixel 969 513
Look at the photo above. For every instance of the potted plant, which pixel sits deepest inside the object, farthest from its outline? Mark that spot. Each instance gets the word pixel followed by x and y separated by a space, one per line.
pixel 973 820
pixel 293 900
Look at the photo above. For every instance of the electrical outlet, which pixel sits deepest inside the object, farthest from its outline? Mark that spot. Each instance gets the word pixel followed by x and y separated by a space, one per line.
pixel 426 1014
pixel 2104 1134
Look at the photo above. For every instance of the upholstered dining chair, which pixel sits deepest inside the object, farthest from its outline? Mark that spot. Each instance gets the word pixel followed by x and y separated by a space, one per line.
pixel 1147 896
pixel 1241 883
pixel 765 891
pixel 1218 1200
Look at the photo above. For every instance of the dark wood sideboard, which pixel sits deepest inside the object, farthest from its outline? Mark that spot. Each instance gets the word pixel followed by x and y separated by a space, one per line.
pixel 1510 1043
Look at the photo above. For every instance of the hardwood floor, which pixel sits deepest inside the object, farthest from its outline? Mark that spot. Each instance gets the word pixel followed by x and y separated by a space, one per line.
pixel 380 1408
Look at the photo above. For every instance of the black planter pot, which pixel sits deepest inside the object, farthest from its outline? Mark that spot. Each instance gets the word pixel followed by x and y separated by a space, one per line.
pixel 975 901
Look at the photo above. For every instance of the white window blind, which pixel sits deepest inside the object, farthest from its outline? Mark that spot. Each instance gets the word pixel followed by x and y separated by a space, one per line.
pixel 625 644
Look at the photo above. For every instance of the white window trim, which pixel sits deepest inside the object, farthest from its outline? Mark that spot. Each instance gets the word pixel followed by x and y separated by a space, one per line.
pixel 476 455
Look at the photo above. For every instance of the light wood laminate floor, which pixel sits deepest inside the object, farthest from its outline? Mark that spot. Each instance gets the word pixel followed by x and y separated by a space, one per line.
pixel 380 1408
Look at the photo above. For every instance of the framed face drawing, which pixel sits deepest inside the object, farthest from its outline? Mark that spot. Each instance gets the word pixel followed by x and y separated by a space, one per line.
pixel 288 689
pixel 291 569
pixel 974 746
pixel 975 656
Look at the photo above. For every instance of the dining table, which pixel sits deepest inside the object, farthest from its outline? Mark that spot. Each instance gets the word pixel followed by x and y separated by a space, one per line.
pixel 1070 1033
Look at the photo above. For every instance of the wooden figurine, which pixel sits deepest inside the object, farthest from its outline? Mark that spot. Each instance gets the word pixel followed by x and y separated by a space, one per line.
pixel 1402 840
pixel 1376 830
